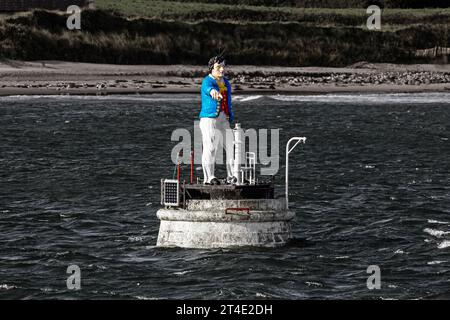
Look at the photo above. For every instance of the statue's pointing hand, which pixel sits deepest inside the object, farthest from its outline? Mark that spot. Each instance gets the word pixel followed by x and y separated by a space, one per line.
pixel 216 95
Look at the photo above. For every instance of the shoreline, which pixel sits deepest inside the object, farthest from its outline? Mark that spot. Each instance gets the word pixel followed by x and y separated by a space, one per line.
pixel 69 78
pixel 300 91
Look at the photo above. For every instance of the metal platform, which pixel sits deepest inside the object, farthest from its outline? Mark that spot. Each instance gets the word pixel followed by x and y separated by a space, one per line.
pixel 229 192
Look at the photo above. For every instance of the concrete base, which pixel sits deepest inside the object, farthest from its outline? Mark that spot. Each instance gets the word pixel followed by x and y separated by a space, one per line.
pixel 204 224
pixel 204 235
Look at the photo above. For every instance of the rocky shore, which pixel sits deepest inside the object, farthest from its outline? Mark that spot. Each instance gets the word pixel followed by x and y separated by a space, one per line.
pixel 392 78
pixel 53 77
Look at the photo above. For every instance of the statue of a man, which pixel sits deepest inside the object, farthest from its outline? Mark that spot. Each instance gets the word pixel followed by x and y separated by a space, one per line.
pixel 216 117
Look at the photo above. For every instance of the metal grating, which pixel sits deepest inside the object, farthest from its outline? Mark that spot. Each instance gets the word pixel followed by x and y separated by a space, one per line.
pixel 171 193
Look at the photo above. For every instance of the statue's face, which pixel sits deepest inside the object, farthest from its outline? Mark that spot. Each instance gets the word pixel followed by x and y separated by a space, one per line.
pixel 218 70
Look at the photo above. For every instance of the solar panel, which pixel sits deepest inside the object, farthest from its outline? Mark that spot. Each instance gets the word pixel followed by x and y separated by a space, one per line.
pixel 171 193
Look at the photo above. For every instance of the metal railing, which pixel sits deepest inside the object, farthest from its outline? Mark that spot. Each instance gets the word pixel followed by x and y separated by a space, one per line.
pixel 248 173
pixel 288 151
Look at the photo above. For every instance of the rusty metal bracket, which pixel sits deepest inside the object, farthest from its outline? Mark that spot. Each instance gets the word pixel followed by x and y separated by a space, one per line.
pixel 244 216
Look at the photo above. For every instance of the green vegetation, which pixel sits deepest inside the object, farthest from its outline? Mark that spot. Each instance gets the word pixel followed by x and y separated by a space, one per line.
pixel 193 11
pixel 334 3
pixel 166 32
pixel 156 7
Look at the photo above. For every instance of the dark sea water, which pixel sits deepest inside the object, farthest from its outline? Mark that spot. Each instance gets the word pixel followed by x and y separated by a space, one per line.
pixel 79 185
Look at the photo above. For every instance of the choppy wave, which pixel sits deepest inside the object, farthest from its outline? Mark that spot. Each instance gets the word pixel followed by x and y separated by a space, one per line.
pixel 80 184
pixel 444 244
pixel 7 287
pixel 436 233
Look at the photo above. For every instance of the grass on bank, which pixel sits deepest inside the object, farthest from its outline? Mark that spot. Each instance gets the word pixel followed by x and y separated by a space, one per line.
pixel 111 38
pixel 170 32
pixel 189 10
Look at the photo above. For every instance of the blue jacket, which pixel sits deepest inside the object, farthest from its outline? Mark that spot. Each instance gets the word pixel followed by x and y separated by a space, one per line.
pixel 209 105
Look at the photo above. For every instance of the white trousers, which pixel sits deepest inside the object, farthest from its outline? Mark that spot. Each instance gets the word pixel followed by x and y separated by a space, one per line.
pixel 216 134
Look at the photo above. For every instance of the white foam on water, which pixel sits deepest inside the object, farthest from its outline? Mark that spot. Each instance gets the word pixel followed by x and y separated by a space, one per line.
pixel 260 295
pixel 435 262
pixel 145 298
pixel 437 222
pixel 444 244
pixel 7 287
pixel 381 98
pixel 246 98
pixel 144 98
pixel 19 98
pixel 425 98
pixel 135 238
pixel 436 233
pixel 180 273
pixel 313 284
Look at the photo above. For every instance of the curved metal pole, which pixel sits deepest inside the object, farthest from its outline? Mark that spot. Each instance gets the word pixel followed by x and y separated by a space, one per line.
pixel 289 150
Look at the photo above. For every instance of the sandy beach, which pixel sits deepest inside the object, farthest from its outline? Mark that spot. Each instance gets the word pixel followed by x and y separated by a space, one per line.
pixel 57 77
